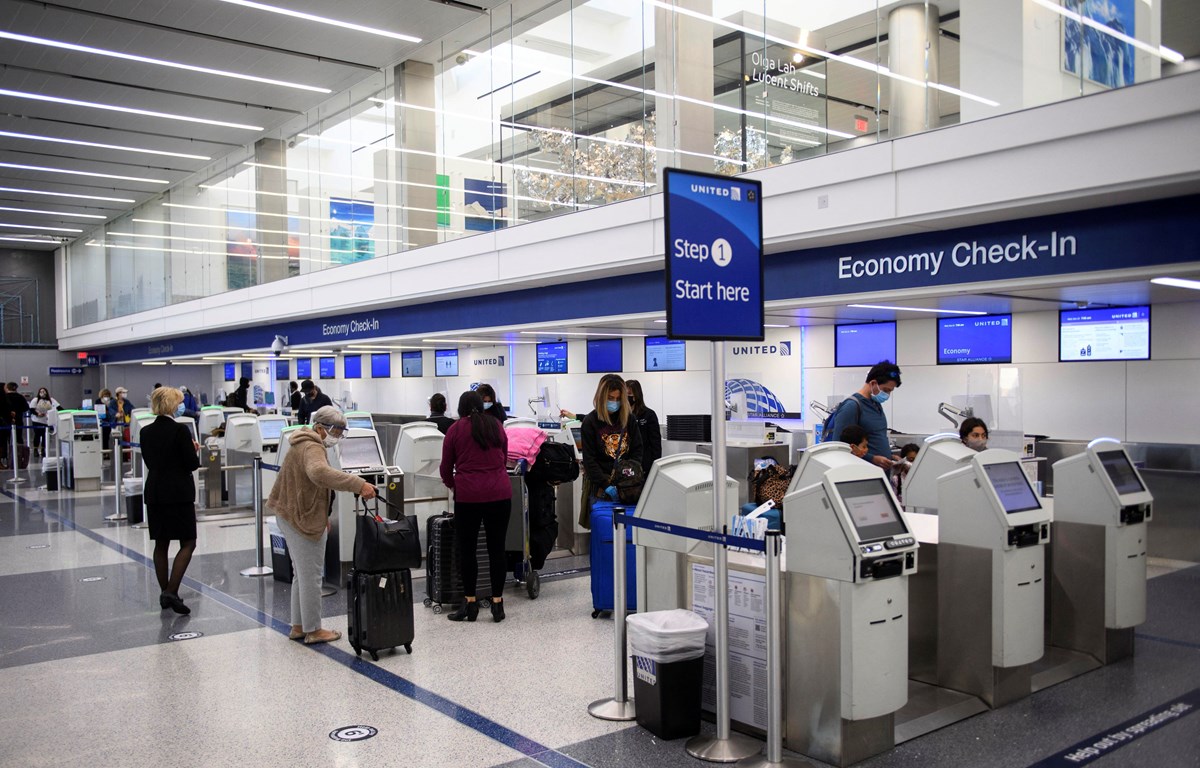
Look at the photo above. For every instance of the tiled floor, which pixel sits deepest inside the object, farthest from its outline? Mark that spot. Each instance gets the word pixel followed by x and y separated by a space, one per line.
pixel 92 677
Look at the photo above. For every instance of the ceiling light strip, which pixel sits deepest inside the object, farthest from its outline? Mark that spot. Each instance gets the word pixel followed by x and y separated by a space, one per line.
pixel 49 229
pixel 324 20
pixel 127 110
pixel 53 213
pixel 918 309
pixel 67 194
pixel 44 169
pixel 119 147
pixel 1177 282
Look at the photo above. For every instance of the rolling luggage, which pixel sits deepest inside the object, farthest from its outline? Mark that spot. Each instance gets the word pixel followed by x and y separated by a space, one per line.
pixel 22 457
pixel 602 560
pixel 379 611
pixel 443 585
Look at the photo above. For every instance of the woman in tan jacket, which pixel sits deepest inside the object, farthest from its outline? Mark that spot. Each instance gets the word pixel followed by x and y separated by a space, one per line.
pixel 301 501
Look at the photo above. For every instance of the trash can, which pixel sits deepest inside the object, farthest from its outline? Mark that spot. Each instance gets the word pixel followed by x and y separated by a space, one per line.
pixel 50 473
pixel 668 663
pixel 281 561
pixel 132 492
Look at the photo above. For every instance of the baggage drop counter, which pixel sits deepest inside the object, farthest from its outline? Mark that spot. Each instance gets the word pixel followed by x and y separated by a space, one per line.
pixel 418 455
pixel 81 453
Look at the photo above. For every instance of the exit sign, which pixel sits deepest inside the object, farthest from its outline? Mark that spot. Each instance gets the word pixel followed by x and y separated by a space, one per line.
pixel 862 124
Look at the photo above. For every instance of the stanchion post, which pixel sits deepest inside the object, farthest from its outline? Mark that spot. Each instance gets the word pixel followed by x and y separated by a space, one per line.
pixel 256 484
pixel 774 597
pixel 119 514
pixel 620 707
pixel 16 478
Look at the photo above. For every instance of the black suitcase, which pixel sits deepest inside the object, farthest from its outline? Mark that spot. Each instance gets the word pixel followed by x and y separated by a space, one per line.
pixel 443 585
pixel 380 611
pixel 22 457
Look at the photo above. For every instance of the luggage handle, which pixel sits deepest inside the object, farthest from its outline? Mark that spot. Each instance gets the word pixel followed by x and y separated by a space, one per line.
pixel 373 510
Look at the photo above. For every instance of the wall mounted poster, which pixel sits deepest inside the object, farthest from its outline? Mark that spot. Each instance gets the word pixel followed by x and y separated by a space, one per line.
pixel 1105 59
pixel 241 253
pixel 350 238
pixel 484 203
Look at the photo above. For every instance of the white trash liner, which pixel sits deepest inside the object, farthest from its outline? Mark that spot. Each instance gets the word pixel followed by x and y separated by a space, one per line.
pixel 667 636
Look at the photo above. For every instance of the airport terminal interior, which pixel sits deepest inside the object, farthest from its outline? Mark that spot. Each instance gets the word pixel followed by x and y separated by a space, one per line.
pixel 384 201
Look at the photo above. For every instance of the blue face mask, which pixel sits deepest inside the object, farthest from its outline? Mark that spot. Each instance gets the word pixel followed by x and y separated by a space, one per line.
pixel 179 410
pixel 486 405
pixel 880 397
pixel 613 406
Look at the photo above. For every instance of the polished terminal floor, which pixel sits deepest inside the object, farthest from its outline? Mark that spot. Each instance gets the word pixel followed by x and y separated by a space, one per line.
pixel 94 674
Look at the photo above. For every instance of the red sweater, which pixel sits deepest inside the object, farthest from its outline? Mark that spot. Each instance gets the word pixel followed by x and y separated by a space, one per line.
pixel 474 474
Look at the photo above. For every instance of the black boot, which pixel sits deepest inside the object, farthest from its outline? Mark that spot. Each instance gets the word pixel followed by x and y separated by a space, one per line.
pixel 468 611
pixel 497 611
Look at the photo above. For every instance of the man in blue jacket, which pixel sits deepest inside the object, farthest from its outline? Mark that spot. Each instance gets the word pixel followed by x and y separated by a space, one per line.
pixel 865 408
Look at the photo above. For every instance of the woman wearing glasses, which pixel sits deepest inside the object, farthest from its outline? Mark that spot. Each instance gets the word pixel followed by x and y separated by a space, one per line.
pixel 301 501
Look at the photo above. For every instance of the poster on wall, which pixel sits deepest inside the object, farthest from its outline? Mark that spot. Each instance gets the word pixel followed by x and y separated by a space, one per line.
pixel 484 203
pixel 1103 58
pixel 763 379
pixel 241 252
pixel 350 237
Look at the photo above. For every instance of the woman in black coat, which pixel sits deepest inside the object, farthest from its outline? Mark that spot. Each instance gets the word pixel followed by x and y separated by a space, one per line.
pixel 647 421
pixel 171 456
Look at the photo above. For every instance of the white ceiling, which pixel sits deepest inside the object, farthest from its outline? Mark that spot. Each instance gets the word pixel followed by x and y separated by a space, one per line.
pixel 204 33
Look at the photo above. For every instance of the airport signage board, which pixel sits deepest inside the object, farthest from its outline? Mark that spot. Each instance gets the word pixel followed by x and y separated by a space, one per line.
pixel 714 278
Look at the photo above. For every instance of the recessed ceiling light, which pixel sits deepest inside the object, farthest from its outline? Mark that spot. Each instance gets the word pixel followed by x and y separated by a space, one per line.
pixel 67 194
pixel 158 62
pixel 51 229
pixel 153 363
pixel 91 174
pixel 771 325
pixel 587 335
pixel 324 20
pixel 918 309
pixel 128 110
pixel 53 213
pixel 1177 282
pixel 75 142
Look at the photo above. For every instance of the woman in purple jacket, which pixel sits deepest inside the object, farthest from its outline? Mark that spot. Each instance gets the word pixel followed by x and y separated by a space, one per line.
pixel 473 466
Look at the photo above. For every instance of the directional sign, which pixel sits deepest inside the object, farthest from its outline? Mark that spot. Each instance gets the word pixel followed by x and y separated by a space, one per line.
pixel 713 256
pixel 54 371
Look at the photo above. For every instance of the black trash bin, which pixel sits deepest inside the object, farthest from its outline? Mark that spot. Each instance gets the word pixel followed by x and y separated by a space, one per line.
pixel 50 472
pixel 668 663
pixel 134 510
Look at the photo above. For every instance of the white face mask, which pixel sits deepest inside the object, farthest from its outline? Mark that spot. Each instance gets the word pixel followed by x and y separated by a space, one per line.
pixel 330 441
pixel 977 443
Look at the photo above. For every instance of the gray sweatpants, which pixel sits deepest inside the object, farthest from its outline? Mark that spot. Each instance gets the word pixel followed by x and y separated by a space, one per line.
pixel 308 566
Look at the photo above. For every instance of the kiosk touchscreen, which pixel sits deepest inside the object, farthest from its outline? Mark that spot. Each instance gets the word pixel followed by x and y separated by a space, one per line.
pixel 136 422
pixel 80 450
pixel 188 422
pixel 940 454
pixel 991 571
pixel 359 453
pixel 270 428
pixel 1101 511
pixel 359 420
pixel 848 612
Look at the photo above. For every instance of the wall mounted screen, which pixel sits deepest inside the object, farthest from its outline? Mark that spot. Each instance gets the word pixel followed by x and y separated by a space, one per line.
pixel 552 357
pixel 352 366
pixel 663 354
pixel 864 345
pixel 986 339
pixel 1116 333
pixel 604 356
pixel 230 371
pixel 381 365
pixel 1012 487
pixel 328 367
pixel 283 370
pixel 445 362
pixel 411 364
pixel 247 370
pixel 1120 472
pixel 304 368
pixel 871 509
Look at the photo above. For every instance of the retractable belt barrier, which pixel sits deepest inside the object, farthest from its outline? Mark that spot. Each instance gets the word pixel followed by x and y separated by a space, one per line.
pixel 259 568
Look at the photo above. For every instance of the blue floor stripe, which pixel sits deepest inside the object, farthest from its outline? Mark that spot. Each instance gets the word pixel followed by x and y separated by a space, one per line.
pixel 463 715
pixel 1169 641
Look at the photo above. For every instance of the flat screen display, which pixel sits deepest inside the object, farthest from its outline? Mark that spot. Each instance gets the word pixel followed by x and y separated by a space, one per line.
pixel 445 362
pixel 247 370
pixel 191 425
pixel 1116 333
pixel 352 366
pixel 552 357
pixel 270 429
pixel 1120 472
pixel 230 371
pixel 663 354
pixel 381 365
pixel 85 421
pixel 359 422
pixel 985 339
pixel 604 356
pixel 1012 487
pixel 304 368
pixel 283 370
pixel 864 345
pixel 359 452
pixel 411 364
pixel 871 509
pixel 327 367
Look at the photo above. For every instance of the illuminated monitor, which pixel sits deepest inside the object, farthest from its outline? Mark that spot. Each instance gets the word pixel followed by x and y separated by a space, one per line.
pixel 863 345
pixel 230 371
pixel 359 422
pixel 327 367
pixel 871 509
pixel 1012 487
pixel 1115 333
pixel 271 429
pixel 191 425
pixel 360 452
pixel 663 354
pixel 248 370
pixel 381 365
pixel 984 339
pixel 303 368
pixel 283 370
pixel 445 362
pixel 1120 472
pixel 352 366
pixel 604 356
pixel 411 364
pixel 552 357
pixel 81 421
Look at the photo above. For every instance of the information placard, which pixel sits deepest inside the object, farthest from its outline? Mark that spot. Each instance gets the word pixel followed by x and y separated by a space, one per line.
pixel 714 282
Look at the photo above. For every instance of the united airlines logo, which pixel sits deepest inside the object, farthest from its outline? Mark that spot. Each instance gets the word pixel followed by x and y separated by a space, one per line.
pixel 783 349
pixel 498 360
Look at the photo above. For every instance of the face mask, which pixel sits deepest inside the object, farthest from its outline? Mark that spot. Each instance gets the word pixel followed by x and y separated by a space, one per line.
pixel 330 441
pixel 105 400
pixel 633 401
pixel 179 410
pixel 880 397
pixel 486 406
pixel 613 406
pixel 977 443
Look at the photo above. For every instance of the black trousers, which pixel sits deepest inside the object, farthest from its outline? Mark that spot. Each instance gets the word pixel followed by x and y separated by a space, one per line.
pixel 468 516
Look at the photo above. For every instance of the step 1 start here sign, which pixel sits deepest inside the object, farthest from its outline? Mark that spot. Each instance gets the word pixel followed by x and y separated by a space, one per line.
pixel 713 257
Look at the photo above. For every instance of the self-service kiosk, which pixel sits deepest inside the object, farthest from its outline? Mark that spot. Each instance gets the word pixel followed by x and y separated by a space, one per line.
pixel 418 454
pixel 1098 578
pixel 212 418
pixel 243 441
pixel 359 420
pixel 818 459
pixel 79 447
pixel 940 453
pixel 359 454
pixel 190 423
pixel 138 419
pixel 847 612
pixel 991 569
pixel 270 430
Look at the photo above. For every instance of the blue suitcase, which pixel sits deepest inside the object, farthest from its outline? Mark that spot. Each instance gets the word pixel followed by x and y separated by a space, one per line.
pixel 602 560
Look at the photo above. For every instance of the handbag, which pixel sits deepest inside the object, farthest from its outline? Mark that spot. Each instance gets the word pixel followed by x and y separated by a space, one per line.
pixel 384 544
pixel 626 476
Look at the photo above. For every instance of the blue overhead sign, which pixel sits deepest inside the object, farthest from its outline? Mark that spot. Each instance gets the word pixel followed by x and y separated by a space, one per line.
pixel 55 371
pixel 713 256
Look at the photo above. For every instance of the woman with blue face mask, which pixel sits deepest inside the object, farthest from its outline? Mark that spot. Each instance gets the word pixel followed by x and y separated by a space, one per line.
pixel 608 434
pixel 171 456
pixel 491 404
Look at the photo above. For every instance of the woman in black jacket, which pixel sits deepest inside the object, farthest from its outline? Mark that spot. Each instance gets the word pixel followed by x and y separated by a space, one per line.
pixel 647 421
pixel 171 455
pixel 491 405
pixel 608 434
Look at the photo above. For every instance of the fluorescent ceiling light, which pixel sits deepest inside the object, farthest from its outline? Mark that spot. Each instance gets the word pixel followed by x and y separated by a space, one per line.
pixel 484 342
pixel 324 20
pixel 153 363
pixel 55 140
pixel 296 215
pixel 157 62
pixel 32 239
pixel 1177 282
pixel 51 229
pixel 1162 51
pixel 67 194
pixel 315 351
pixel 54 213
pixel 383 348
pixel 918 309
pixel 128 110
pixel 589 335
pixel 190 362
pixel 771 325
pixel 90 174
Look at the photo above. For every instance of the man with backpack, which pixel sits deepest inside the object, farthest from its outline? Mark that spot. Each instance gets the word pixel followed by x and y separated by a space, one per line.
pixel 865 408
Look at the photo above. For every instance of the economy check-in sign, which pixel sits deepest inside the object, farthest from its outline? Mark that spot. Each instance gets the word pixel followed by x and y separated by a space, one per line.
pixel 713 256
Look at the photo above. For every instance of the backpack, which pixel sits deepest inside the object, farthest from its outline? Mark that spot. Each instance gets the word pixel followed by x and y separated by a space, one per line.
pixel 827 435
pixel 628 478
pixel 555 463
pixel 771 482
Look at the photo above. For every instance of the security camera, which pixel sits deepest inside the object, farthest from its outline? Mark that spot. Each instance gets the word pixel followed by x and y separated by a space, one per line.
pixel 279 346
